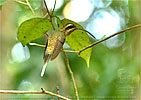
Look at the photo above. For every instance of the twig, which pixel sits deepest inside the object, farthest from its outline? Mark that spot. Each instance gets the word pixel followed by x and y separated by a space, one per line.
pixel 70 51
pixel 27 4
pixel 21 2
pixel 72 77
pixel 50 17
pixel 53 8
pixel 33 92
pixel 39 45
pixel 97 42
pixel 30 7
pixel 57 87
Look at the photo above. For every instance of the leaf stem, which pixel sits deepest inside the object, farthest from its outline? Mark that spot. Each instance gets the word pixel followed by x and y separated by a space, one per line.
pixel 33 92
pixel 97 42
pixel 72 77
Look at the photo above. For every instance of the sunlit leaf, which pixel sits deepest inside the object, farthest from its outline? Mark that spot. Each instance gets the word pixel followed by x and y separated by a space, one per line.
pixel 33 29
pixel 78 40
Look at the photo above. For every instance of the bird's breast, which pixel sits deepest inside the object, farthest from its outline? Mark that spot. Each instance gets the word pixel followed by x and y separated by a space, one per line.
pixel 51 44
pixel 55 44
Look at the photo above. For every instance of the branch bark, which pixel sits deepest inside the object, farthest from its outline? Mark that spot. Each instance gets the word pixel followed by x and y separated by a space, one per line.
pixel 97 42
pixel 33 92
pixel 72 77
pixel 50 17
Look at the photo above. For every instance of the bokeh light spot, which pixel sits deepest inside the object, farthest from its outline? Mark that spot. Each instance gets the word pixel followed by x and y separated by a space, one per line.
pixel 106 22
pixel 50 4
pixel 78 10
pixel 20 53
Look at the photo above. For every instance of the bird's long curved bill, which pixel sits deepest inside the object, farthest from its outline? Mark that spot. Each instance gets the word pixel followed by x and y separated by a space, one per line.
pixel 44 68
pixel 86 31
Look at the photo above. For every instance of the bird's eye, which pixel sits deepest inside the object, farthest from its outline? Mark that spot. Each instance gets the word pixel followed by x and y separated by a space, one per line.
pixel 69 26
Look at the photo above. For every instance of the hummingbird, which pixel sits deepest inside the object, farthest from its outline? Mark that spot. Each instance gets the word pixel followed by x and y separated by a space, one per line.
pixel 55 43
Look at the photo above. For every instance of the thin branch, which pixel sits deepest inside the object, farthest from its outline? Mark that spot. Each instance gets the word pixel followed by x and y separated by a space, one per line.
pixel 53 8
pixel 39 45
pixel 70 51
pixel 72 77
pixel 47 8
pixel 50 17
pixel 30 7
pixel 27 4
pixel 33 92
pixel 23 3
pixel 97 42
pixel 57 87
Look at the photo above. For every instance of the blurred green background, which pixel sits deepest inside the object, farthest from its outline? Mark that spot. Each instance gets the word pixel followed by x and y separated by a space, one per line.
pixel 114 73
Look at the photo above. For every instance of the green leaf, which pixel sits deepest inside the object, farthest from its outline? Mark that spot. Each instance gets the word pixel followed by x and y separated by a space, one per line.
pixel 33 29
pixel 78 40
pixel 2 2
pixel 0 7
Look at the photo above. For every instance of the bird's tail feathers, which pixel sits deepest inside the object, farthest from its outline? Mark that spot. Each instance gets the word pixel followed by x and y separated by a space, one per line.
pixel 45 64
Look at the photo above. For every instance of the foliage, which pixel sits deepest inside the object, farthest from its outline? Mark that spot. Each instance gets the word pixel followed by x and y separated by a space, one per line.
pixel 113 73
pixel 33 29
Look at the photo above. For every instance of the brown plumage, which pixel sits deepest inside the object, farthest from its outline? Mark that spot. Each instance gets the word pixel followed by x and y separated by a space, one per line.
pixel 55 43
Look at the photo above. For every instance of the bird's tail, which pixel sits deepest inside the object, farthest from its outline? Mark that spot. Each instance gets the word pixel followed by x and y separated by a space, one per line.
pixel 46 59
